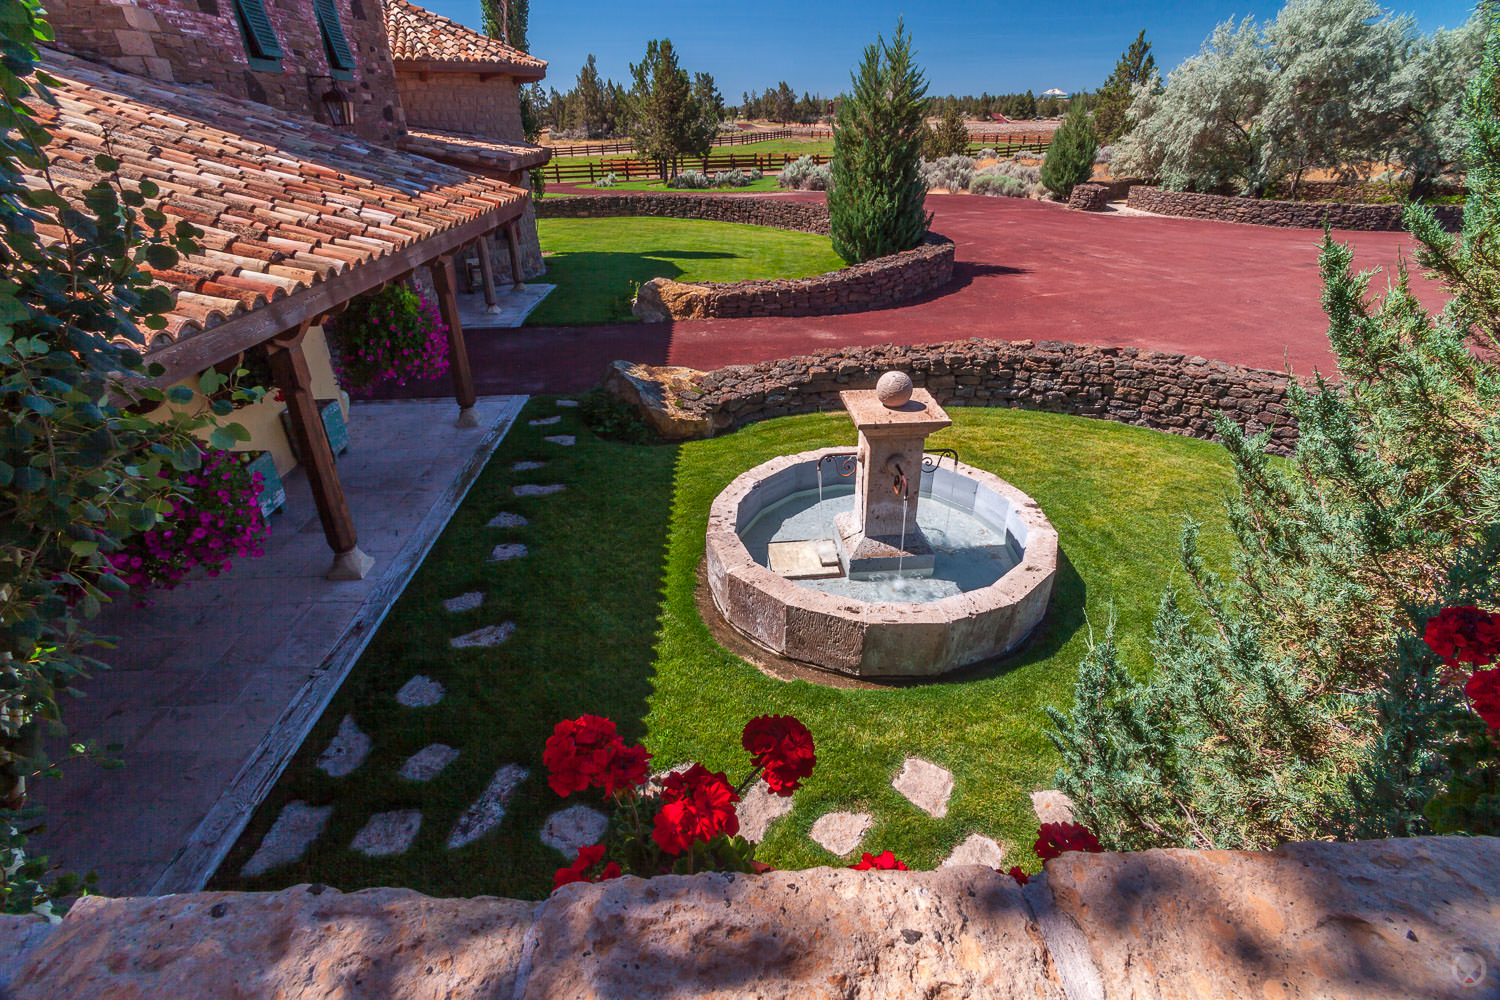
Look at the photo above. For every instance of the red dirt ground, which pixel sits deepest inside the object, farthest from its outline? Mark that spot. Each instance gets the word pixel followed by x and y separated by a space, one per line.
pixel 1026 270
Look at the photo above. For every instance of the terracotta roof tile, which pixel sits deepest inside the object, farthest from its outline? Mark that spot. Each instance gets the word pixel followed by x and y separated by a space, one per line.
pixel 472 151
pixel 283 202
pixel 418 35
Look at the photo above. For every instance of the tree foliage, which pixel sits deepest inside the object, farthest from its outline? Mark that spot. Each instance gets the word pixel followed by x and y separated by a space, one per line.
pixel 1136 68
pixel 669 116
pixel 950 138
pixel 875 206
pixel 508 19
pixel 1294 700
pixel 1070 156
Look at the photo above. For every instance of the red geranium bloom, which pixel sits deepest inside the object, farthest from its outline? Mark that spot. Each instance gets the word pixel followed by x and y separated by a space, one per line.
pixel 782 745
pixel 697 804
pixel 587 858
pixel 1054 839
pixel 1016 873
pixel 627 768
pixel 1483 690
pixel 885 861
pixel 578 751
pixel 1464 635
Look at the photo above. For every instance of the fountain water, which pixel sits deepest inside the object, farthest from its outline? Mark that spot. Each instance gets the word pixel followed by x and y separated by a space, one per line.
pixel 913 579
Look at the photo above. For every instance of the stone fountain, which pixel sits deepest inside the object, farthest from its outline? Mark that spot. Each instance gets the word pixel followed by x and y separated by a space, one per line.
pixel 918 566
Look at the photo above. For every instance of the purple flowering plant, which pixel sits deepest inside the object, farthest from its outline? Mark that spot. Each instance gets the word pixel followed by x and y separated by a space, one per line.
pixel 394 335
pixel 213 518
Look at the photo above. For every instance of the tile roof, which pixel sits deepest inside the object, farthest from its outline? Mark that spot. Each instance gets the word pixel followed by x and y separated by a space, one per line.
pixel 472 151
pixel 418 35
pixel 284 203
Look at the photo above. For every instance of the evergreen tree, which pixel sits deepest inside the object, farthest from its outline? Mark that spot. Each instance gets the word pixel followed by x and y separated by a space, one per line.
pixel 1297 702
pixel 590 102
pixel 875 204
pixel 667 118
pixel 1070 156
pixel 1136 67
pixel 508 20
pixel 950 138
pixel 786 103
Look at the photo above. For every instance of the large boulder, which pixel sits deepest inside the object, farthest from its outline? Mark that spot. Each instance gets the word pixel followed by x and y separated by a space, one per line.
pixel 653 392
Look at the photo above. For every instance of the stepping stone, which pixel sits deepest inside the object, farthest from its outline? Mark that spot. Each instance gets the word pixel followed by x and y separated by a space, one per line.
pixel 840 832
pixel 566 440
pixel 346 751
pixel 464 602
pixel 505 519
pixel 759 809
pixel 428 762
pixel 420 692
pixel 1052 806
pixel 977 849
pixel 507 551
pixel 569 403
pixel 295 829
pixel 526 466
pixel 532 490
pixel 572 828
pixel 926 785
pixel 489 809
pixel 545 421
pixel 490 635
pixel 388 833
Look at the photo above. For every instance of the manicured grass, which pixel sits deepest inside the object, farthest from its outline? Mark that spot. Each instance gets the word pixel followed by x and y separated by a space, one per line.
pixel 598 263
pixel 607 623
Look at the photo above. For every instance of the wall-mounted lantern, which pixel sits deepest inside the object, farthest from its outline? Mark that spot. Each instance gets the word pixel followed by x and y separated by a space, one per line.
pixel 337 105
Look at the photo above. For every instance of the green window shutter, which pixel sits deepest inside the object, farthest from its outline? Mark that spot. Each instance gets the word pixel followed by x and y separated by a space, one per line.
pixel 334 42
pixel 255 23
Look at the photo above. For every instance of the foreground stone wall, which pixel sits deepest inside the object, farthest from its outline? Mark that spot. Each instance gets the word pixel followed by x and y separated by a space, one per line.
pixel 1264 212
pixel 1090 197
pixel 1167 392
pixel 1381 920
pixel 803 216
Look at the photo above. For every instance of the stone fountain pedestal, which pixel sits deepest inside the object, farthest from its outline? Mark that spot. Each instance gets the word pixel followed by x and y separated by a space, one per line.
pixel 881 535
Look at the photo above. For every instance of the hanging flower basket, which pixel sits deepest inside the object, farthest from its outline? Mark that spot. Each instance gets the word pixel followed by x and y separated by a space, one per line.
pixel 391 337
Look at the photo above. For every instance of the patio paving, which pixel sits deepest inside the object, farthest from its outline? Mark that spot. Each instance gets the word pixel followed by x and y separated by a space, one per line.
pixel 217 683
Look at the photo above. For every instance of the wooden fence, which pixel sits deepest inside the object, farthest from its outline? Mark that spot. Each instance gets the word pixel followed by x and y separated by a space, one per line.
pixel 722 139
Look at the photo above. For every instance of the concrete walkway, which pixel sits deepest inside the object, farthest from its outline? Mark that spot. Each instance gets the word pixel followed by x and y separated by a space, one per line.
pixel 1026 270
pixel 216 684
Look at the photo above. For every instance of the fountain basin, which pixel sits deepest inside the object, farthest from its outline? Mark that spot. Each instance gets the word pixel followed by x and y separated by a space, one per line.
pixel 881 638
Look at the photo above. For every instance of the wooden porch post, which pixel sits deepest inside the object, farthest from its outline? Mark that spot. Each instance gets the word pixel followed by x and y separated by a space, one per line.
pixel 458 351
pixel 289 371
pixel 487 271
pixel 513 241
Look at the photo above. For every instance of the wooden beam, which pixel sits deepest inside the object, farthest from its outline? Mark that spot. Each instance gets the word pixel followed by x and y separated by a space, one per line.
pixel 458 351
pixel 487 272
pixel 513 241
pixel 197 352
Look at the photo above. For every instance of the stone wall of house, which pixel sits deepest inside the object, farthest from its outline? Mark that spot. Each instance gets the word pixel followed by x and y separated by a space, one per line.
pixel 462 102
pixel 1166 392
pixel 1265 212
pixel 1378 920
pixel 199 41
pixel 806 217
pixel 1089 197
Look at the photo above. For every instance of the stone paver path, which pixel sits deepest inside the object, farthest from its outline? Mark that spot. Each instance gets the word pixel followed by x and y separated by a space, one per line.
pixel 346 751
pixel 1052 807
pixel 388 833
pixel 840 832
pixel 534 490
pixel 490 635
pixel 576 826
pixel 505 519
pixel 526 466
pixel 566 440
pixel 489 809
pixel 544 421
pixel 297 826
pixel 977 849
pixel 567 402
pixel 759 809
pixel 464 602
pixel 428 762
pixel 507 551
pixel 420 692
pixel 926 785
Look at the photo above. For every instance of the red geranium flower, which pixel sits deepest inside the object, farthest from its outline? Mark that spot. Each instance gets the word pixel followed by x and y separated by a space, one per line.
pixel 587 858
pixel 1483 690
pixel 1054 839
pixel 697 804
pixel 1016 873
pixel 885 861
pixel 1464 635
pixel 588 751
pixel 627 768
pixel 782 745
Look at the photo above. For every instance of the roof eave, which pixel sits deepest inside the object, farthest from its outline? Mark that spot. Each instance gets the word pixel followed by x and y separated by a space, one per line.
pixel 482 67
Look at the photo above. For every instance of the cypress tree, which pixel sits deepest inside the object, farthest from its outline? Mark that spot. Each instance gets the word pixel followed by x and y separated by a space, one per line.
pixel 1070 156
pixel 1136 66
pixel 875 205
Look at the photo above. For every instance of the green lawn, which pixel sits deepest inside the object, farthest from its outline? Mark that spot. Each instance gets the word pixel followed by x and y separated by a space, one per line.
pixel 607 623
pixel 597 264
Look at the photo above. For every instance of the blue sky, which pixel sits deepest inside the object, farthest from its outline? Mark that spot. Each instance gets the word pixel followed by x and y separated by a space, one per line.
pixel 965 47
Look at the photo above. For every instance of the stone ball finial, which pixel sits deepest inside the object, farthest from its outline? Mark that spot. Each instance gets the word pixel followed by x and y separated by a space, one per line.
pixel 894 389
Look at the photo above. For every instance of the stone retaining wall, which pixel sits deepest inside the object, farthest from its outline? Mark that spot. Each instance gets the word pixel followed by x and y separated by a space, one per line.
pixel 1379 920
pixel 871 285
pixel 1089 197
pixel 1265 212
pixel 1167 392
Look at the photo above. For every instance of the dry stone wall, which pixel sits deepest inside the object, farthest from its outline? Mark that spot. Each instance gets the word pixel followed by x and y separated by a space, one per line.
pixel 1289 214
pixel 803 216
pixel 1167 392
pixel 1089 197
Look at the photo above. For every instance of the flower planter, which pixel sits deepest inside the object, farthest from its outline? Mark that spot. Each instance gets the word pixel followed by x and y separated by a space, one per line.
pixel 334 427
pixel 272 491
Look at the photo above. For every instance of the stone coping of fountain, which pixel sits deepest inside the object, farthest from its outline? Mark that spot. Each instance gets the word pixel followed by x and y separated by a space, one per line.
pixel 886 638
